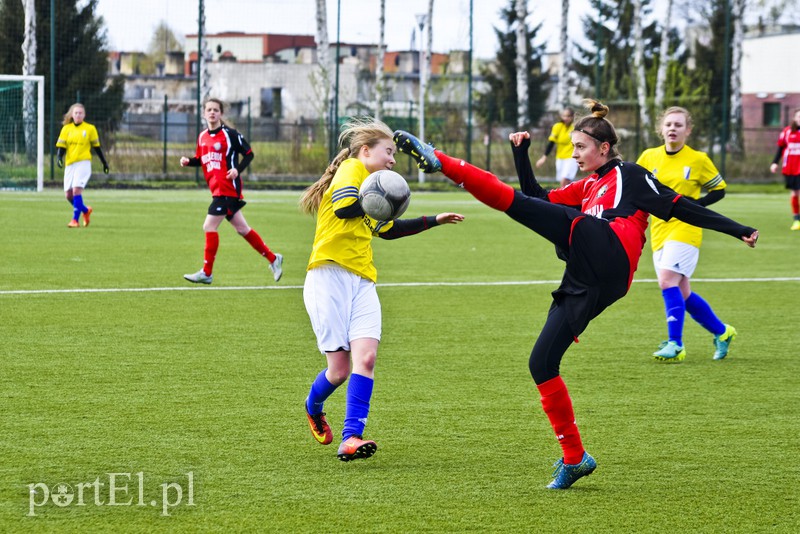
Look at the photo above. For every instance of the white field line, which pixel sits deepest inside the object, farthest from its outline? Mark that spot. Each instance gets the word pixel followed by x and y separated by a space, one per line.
pixel 391 284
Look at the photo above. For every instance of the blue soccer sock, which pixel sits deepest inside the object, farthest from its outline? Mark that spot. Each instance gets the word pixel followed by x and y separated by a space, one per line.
pixel 676 310
pixel 359 392
pixel 701 311
pixel 77 203
pixel 321 389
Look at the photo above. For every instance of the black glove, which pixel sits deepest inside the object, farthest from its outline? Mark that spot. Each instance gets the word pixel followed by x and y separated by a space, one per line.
pixel 60 163
pixel 105 168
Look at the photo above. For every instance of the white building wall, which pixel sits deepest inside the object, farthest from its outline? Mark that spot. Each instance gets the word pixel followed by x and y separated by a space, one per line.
pixel 301 93
pixel 771 64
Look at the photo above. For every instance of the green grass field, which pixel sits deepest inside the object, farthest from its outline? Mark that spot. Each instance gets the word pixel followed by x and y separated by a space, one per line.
pixel 112 363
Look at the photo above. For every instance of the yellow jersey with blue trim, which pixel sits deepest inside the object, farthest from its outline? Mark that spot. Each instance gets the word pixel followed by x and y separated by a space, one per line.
pixel 78 140
pixel 687 172
pixel 346 242
pixel 561 136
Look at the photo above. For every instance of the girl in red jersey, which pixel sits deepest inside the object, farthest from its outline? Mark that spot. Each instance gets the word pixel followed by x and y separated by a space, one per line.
pixel 789 156
pixel 218 151
pixel 598 227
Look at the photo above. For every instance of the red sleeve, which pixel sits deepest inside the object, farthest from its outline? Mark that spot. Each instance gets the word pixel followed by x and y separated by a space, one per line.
pixel 570 195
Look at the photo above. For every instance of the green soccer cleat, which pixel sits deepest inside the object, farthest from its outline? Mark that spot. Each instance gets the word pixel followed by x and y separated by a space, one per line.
pixel 670 352
pixel 796 224
pixel 566 475
pixel 422 154
pixel 723 341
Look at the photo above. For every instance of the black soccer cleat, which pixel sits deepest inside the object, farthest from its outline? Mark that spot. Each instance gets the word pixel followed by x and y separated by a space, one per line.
pixel 423 154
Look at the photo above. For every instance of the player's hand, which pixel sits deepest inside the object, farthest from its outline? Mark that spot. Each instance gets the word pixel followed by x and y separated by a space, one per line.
pixel 751 239
pixel 540 161
pixel 60 163
pixel 449 218
pixel 232 174
pixel 773 168
pixel 517 137
pixel 105 169
pixel 184 161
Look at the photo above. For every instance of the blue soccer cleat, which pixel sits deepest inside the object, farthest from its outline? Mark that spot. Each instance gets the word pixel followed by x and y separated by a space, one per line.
pixel 566 475
pixel 723 341
pixel 670 352
pixel 422 154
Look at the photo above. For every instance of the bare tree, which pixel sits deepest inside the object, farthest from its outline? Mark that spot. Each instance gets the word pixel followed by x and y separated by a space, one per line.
pixel 563 66
pixel 29 88
pixel 323 81
pixel 203 59
pixel 641 81
pixel 379 78
pixel 735 140
pixel 522 64
pixel 661 75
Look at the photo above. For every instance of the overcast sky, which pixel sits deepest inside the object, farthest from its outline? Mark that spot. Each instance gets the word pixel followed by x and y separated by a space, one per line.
pixel 131 24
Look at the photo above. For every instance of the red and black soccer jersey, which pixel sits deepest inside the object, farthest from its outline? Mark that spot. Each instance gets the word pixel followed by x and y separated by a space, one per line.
pixel 218 152
pixel 624 194
pixel 789 147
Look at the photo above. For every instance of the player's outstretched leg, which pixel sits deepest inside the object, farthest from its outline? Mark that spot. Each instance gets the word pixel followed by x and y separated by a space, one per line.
pixel 422 153
pixel 482 184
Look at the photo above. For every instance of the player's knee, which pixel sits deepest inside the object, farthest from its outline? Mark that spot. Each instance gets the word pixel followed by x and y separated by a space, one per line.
pixel 338 376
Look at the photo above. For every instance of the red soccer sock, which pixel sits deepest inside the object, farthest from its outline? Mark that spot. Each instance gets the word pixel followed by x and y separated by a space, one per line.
pixel 482 184
pixel 558 407
pixel 257 243
pixel 795 205
pixel 210 253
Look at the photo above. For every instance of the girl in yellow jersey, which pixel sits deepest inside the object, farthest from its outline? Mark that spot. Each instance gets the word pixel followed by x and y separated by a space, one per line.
pixel 561 139
pixel 676 244
pixel 339 291
pixel 75 141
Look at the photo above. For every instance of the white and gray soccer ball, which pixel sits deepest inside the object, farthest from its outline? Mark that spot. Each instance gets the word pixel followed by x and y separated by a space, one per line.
pixel 384 195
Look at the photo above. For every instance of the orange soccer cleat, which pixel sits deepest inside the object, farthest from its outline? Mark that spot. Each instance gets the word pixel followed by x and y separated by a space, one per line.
pixel 320 428
pixel 86 215
pixel 355 447
pixel 73 224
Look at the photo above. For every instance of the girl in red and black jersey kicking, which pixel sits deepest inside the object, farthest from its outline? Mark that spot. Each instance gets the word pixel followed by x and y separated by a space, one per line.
pixel 218 151
pixel 598 227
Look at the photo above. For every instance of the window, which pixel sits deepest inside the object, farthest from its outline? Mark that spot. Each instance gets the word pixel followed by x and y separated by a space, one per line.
pixel 772 114
pixel 271 102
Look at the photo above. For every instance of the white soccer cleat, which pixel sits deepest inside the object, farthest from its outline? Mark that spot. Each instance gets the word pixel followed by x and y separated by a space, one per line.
pixel 277 267
pixel 200 277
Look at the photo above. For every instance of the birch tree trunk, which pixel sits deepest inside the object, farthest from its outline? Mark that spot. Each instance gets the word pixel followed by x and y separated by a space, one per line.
pixel 735 140
pixel 323 81
pixel 29 88
pixel 379 81
pixel 563 67
pixel 522 64
pixel 661 75
pixel 204 58
pixel 641 81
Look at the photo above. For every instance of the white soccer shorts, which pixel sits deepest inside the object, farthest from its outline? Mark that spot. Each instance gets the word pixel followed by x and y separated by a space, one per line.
pixel 77 174
pixel 566 168
pixel 342 307
pixel 677 257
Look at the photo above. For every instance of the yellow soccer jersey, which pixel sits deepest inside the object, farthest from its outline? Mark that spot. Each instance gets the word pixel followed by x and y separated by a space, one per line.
pixel 78 140
pixel 687 172
pixel 560 135
pixel 346 242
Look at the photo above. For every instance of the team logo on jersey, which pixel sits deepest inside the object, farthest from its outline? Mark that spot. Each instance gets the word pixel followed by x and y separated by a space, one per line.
pixel 602 191
pixel 687 173
pixel 217 146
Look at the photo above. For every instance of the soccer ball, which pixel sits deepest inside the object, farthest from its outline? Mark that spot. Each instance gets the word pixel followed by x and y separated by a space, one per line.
pixel 384 195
